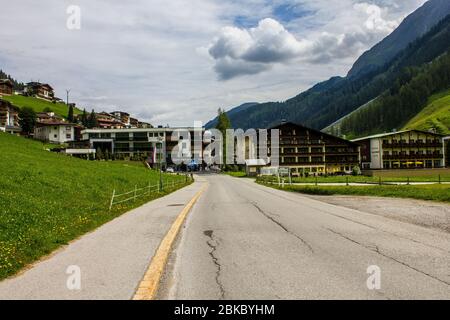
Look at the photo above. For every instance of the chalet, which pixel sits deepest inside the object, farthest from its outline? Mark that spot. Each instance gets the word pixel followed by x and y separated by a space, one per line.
pixel 40 90
pixel 108 121
pixel 55 131
pixel 48 117
pixel 144 125
pixel 6 87
pixel 122 117
pixel 9 118
pixel 408 149
pixel 134 123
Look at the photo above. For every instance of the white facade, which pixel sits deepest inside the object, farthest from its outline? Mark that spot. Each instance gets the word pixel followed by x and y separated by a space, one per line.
pixel 55 133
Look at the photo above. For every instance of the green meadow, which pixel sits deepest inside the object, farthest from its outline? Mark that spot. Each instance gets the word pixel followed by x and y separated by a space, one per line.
pixel 39 105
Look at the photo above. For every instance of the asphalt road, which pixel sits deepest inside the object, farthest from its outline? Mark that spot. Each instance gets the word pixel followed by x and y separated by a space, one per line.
pixel 245 241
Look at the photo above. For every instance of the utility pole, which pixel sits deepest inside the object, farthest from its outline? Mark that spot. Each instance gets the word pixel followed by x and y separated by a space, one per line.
pixel 67 96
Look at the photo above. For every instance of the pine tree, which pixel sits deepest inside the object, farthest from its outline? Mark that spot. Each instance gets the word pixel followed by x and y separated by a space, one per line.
pixel 70 115
pixel 92 120
pixel 223 123
pixel 84 119
pixel 27 120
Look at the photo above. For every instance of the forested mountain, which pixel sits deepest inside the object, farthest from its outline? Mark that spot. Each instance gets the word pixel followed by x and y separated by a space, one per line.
pixel 17 85
pixel 403 101
pixel 331 100
pixel 242 107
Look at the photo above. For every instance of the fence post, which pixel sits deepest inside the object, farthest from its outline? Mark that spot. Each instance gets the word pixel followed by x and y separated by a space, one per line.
pixel 135 192
pixel 439 179
pixel 346 181
pixel 112 199
pixel 379 181
pixel 408 182
pixel 316 180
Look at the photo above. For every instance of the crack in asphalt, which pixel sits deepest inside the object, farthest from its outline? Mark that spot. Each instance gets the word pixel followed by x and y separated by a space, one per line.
pixel 357 222
pixel 282 226
pixel 376 249
pixel 210 235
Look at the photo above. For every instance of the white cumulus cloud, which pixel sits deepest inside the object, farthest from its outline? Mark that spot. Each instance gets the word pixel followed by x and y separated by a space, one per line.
pixel 239 51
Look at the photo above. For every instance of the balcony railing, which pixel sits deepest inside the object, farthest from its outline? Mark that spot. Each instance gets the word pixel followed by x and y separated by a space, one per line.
pixel 413 145
pixel 413 157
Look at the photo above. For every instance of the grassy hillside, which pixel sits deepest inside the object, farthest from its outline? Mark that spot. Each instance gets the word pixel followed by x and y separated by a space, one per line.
pixel 435 115
pixel 48 199
pixel 39 105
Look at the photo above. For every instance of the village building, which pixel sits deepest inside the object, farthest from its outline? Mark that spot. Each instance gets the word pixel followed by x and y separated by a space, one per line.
pixel 56 132
pixel 9 118
pixel 40 90
pixel 144 125
pixel 122 117
pixel 6 87
pixel 108 121
pixel 48 117
pixel 409 149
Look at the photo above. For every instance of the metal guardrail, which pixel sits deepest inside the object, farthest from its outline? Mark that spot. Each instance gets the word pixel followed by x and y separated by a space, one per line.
pixel 140 192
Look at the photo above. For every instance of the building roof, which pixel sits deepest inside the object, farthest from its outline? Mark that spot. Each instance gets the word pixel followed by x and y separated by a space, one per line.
pixel 55 123
pixel 382 135
pixel 6 81
pixel 283 123
pixel 38 84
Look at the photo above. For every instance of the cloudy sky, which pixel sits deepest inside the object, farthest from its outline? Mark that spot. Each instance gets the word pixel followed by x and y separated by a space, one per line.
pixel 176 61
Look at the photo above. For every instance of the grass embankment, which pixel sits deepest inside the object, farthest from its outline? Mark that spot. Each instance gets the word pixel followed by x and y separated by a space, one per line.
pixel 236 174
pixel 39 105
pixel 435 192
pixel 436 115
pixel 48 199
pixel 445 177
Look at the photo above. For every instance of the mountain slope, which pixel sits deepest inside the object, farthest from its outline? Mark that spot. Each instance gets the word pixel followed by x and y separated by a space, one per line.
pixel 413 27
pixel 242 107
pixel 331 100
pixel 436 115
pixel 403 101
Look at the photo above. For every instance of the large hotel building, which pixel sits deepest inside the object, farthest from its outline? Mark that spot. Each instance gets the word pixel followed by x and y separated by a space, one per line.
pixel 402 150
pixel 144 141
pixel 307 151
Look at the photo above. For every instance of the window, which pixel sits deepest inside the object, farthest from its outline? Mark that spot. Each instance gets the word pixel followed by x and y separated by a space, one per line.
pixel 55 136
pixel 68 128
pixel 68 136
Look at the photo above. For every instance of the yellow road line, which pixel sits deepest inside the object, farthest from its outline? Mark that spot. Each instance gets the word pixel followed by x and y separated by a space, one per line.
pixel 149 285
